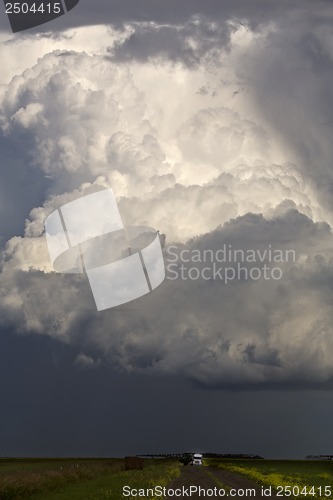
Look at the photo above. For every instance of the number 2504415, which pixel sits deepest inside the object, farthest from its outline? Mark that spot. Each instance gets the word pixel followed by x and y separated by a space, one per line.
pixel 305 491
pixel 35 8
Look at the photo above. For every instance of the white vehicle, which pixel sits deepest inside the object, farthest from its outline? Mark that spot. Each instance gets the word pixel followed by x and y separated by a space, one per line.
pixel 197 459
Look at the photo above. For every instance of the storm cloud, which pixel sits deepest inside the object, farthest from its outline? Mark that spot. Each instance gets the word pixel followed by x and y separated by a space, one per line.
pixel 202 132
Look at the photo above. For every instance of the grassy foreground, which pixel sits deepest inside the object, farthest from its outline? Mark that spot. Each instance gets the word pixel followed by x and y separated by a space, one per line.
pixel 77 479
pixel 299 473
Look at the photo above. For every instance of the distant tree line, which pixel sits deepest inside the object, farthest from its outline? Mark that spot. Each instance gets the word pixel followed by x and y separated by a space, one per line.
pixel 319 457
pixel 205 455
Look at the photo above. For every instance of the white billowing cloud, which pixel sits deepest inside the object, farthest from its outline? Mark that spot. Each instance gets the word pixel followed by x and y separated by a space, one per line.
pixel 21 52
pixel 49 101
pixel 185 152
pixel 210 166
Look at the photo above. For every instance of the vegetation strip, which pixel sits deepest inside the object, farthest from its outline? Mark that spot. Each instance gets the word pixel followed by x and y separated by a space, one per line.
pixel 80 478
pixel 308 478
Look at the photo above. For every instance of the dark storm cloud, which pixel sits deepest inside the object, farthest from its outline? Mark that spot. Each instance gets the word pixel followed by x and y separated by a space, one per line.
pixel 117 13
pixel 173 11
pixel 172 43
pixel 274 333
pixel 50 407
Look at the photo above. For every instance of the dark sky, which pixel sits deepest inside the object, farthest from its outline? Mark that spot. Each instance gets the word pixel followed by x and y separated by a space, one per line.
pixel 211 121
pixel 51 408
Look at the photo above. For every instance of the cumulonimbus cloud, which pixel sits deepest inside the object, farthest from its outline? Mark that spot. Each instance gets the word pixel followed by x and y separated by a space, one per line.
pixel 206 170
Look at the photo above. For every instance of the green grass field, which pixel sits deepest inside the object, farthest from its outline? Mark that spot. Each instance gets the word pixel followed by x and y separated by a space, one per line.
pixel 98 479
pixel 299 473
pixel 77 479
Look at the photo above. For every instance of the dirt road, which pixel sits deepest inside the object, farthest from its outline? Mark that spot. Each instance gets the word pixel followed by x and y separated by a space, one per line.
pixel 211 480
pixel 192 476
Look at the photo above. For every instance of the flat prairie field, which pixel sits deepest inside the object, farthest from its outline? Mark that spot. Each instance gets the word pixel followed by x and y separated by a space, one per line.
pixel 288 478
pixel 79 479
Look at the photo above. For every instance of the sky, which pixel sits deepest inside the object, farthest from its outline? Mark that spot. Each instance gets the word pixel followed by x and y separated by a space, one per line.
pixel 211 122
